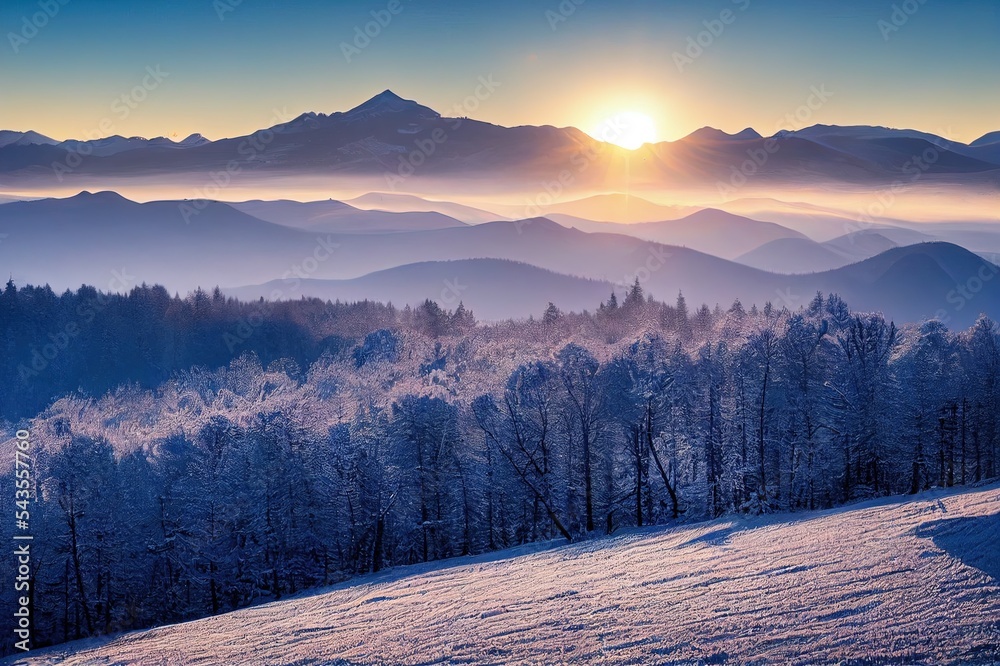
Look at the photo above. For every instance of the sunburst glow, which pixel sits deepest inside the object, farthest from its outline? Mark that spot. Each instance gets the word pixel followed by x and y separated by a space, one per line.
pixel 628 129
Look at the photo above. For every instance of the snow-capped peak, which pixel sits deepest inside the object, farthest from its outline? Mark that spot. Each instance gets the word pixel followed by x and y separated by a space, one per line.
pixel 193 140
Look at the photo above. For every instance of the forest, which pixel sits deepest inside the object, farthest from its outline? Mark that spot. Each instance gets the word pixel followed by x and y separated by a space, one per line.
pixel 195 455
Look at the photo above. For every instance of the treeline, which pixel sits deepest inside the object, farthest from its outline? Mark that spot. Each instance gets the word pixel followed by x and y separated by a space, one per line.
pixel 221 488
pixel 92 341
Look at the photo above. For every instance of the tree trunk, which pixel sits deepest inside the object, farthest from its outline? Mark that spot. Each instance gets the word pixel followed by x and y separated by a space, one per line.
pixel 674 503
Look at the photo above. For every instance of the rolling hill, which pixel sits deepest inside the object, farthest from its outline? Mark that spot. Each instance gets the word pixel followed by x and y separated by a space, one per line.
pixel 103 235
pixel 616 207
pixel 794 255
pixel 711 231
pixel 403 203
pixel 493 289
pixel 338 217
pixel 803 255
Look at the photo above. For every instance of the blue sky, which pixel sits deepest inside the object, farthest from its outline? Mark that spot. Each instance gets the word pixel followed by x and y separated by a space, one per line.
pixel 934 66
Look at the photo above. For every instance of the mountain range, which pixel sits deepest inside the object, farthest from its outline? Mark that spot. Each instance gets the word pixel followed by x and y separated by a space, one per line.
pixel 388 139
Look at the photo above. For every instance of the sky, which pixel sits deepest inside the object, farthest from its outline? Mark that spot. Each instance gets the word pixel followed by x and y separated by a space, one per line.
pixel 83 68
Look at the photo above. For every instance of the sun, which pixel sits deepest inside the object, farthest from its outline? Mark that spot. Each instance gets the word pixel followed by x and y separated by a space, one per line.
pixel 628 129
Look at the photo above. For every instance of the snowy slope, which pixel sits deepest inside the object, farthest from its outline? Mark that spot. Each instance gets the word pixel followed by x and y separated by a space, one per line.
pixel 909 581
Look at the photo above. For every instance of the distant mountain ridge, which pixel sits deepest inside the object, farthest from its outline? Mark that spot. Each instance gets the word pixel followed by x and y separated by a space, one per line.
pixel 494 289
pixel 389 137
pixel 712 134
pixel 103 235
pixel 339 217
pixel 987 139
pixel 709 230
pixel 29 138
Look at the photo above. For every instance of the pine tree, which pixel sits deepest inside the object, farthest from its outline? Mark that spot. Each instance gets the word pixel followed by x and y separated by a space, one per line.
pixel 684 331
pixel 634 298
pixel 552 314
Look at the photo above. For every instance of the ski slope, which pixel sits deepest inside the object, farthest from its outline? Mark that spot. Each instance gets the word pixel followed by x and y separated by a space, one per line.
pixel 901 581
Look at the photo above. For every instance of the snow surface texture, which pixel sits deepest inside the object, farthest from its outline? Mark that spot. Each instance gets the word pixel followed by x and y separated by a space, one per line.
pixel 890 581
